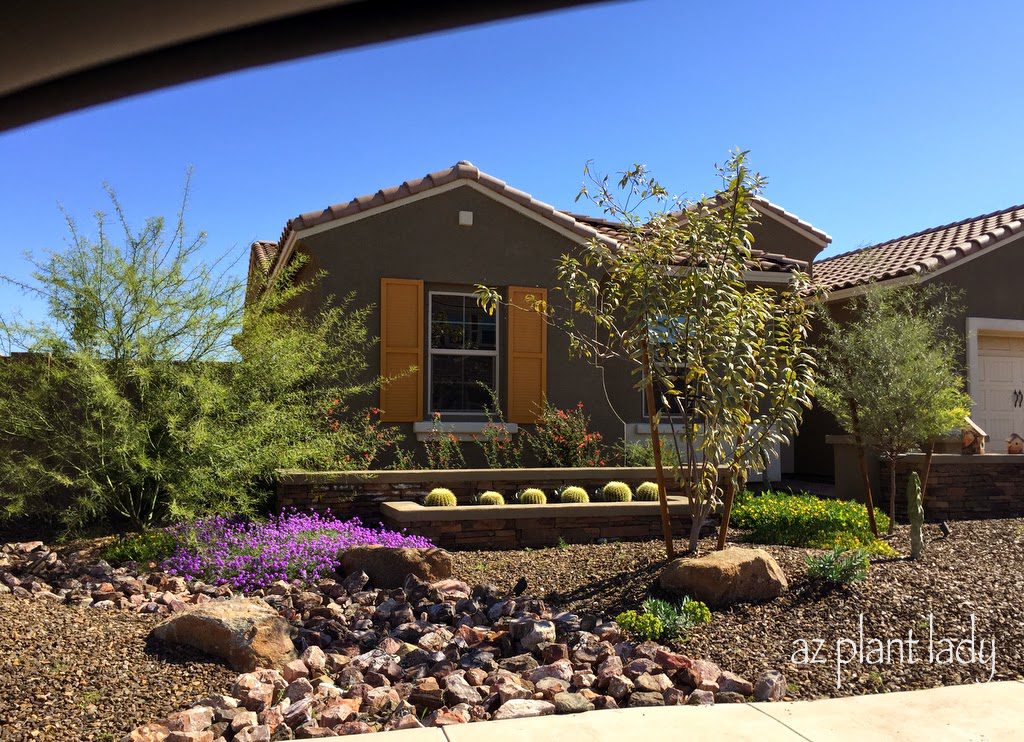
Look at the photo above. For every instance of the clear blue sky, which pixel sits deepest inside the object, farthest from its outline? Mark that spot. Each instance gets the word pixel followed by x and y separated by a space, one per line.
pixel 869 119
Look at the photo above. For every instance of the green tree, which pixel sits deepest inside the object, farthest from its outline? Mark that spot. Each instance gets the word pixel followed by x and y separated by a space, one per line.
pixel 152 391
pixel 890 375
pixel 670 299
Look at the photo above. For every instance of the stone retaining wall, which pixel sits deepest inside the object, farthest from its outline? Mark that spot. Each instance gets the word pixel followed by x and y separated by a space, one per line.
pixel 518 526
pixel 962 487
pixel 362 493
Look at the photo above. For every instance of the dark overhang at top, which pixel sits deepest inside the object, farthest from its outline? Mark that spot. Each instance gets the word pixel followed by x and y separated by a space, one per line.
pixel 58 56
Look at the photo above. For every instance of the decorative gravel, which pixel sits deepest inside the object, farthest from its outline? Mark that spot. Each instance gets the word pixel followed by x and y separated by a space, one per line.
pixel 70 673
pixel 978 569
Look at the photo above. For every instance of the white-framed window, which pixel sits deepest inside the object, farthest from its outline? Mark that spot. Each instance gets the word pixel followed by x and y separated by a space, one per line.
pixel 463 353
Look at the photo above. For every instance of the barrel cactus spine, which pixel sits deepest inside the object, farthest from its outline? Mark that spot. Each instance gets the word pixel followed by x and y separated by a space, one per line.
pixel 491 498
pixel 440 497
pixel 648 492
pixel 617 492
pixel 532 496
pixel 574 495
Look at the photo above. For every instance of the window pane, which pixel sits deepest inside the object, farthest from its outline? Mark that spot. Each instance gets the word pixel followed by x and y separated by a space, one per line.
pixel 455 383
pixel 481 328
pixel 447 335
pixel 447 308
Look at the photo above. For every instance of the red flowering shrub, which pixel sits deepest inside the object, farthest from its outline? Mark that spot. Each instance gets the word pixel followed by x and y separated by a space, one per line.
pixel 366 441
pixel 561 439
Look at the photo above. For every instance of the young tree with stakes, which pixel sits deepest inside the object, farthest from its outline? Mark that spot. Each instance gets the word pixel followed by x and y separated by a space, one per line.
pixel 669 298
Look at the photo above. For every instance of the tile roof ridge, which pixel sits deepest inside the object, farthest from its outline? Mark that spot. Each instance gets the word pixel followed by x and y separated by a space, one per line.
pixel 929 230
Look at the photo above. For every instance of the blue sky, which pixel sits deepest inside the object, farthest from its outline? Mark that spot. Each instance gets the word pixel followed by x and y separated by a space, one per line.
pixel 869 119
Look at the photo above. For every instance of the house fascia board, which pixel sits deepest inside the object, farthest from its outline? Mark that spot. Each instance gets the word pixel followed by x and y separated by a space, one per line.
pixel 817 240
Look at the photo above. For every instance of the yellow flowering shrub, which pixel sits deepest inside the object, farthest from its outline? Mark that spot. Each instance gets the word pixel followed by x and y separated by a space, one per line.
pixel 808 521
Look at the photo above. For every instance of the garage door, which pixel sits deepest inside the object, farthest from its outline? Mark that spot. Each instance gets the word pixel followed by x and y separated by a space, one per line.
pixel 999 402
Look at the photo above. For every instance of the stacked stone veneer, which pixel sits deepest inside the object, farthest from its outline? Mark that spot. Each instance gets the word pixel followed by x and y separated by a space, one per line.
pixel 362 493
pixel 962 487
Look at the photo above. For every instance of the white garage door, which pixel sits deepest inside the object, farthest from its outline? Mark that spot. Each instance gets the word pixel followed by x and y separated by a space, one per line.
pixel 999 401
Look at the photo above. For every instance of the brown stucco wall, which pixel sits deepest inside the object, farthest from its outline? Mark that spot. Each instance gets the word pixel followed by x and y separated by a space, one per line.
pixel 503 247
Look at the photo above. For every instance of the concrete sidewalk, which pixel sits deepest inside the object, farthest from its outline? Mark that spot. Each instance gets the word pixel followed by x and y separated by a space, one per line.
pixel 990 711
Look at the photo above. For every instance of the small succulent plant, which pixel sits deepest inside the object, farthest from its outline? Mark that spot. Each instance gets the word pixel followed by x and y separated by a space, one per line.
pixel 617 492
pixel 441 498
pixel 491 498
pixel 647 492
pixel 574 494
pixel 532 496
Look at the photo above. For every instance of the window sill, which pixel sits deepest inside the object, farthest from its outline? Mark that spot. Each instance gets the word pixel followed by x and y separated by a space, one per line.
pixel 644 429
pixel 461 431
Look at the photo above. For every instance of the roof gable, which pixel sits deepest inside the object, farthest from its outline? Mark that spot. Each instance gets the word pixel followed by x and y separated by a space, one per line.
pixel 269 256
pixel 921 252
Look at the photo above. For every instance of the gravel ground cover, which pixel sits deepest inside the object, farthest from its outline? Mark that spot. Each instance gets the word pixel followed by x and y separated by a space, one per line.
pixel 978 569
pixel 69 673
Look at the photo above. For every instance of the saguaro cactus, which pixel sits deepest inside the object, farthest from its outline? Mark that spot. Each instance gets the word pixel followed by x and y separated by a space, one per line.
pixel 915 511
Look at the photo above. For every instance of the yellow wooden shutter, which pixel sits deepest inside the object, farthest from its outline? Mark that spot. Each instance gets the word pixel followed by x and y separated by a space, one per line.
pixel 527 354
pixel 401 346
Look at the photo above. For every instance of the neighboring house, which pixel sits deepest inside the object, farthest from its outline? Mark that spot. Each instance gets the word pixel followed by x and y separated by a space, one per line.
pixel 416 251
pixel 983 258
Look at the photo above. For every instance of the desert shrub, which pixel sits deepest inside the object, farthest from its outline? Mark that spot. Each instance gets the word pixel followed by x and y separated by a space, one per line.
pixel 696 612
pixel 372 441
pixel 443 449
pixel 248 554
pixel 491 498
pixel 561 438
pixel 147 546
pixel 532 496
pixel 573 494
pixel 641 453
pixel 644 626
pixel 660 619
pixel 647 492
pixel 839 567
pixel 617 492
pixel 501 449
pixel 805 520
pixel 154 391
pixel 439 497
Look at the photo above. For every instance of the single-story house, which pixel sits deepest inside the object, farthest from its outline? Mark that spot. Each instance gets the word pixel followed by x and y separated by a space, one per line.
pixel 981 257
pixel 416 250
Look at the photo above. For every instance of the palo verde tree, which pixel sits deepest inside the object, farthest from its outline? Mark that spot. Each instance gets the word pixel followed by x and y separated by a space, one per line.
pixel 669 298
pixel 890 376
pixel 151 390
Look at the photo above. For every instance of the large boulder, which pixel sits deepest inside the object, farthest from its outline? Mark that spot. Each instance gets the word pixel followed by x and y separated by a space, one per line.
pixel 725 577
pixel 245 632
pixel 388 568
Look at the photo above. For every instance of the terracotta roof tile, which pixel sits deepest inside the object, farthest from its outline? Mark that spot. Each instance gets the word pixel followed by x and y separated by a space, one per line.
pixel 759 259
pixel 920 252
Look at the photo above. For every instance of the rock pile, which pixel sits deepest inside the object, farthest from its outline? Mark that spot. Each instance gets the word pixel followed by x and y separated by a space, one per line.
pixel 423 654
pixel 434 654
pixel 31 569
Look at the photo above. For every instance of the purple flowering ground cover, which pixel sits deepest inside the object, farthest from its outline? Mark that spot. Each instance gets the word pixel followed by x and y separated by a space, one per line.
pixel 248 555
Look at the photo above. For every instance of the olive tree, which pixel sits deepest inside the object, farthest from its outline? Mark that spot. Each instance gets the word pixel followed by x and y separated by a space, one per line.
pixel 890 374
pixel 727 359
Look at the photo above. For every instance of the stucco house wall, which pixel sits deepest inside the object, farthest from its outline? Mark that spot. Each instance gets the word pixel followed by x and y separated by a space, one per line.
pixel 504 246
